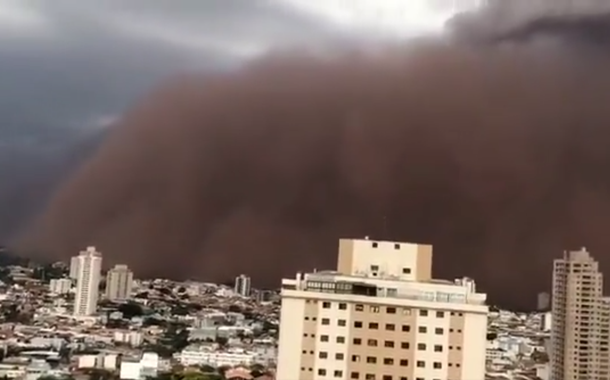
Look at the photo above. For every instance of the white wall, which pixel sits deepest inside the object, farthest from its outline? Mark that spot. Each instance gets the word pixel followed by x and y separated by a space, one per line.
pixel 474 346
pixel 390 260
pixel 291 338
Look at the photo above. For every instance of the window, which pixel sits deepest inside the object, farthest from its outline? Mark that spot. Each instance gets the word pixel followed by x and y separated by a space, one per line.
pixel 390 310
pixel 421 364
pixel 438 348
pixel 406 270
pixel 356 358
pixel 437 365
pixel 374 268
pixel 440 314
pixel 369 376
pixel 390 326
pixel 338 373
pixel 404 362
pixel 326 305
pixel 372 342
pixel 387 377
pixel 422 329
pixel 359 307
pixel 341 339
pixel 388 344
pixel 358 324
pixel 374 309
pixel 323 355
pixel 396 246
pixel 339 356
pixel 341 322
pixel 321 372
pixel 357 341
pixel 371 359
pixel 373 326
pixel 405 345
pixel 439 331
pixel 423 313
pixel 354 375
pixel 406 311
pixel 406 328
pixel 325 321
pixel 323 338
pixel 388 361
pixel 342 306
pixel 421 346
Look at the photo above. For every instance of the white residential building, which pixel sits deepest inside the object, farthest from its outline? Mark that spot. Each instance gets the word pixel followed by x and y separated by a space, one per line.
pixel 148 366
pixel 119 283
pixel 87 282
pixel 381 312
pixel 204 355
pixel 60 285
pixel 243 285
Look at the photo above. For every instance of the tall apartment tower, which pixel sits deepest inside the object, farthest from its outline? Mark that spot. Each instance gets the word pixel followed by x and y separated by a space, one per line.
pixel 74 268
pixel 242 285
pixel 381 316
pixel 579 333
pixel 87 282
pixel 119 282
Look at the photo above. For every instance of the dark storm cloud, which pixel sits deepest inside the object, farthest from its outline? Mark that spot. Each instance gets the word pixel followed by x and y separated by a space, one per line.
pixel 67 65
pixel 492 154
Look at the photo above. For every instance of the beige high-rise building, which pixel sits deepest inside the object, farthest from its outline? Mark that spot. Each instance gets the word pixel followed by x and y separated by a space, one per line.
pixel 579 333
pixel 119 282
pixel 381 316
pixel 87 282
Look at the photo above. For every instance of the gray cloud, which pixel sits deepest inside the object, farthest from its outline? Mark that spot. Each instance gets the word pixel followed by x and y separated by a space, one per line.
pixel 66 65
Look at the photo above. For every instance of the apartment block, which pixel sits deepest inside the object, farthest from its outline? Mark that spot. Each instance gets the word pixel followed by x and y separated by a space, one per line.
pixel 119 283
pixel 87 282
pixel 581 319
pixel 381 316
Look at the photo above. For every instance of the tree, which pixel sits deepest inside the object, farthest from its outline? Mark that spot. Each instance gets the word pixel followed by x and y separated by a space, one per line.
pixel 207 368
pixel 257 370
pixel 234 309
pixel 130 310
pixel 180 310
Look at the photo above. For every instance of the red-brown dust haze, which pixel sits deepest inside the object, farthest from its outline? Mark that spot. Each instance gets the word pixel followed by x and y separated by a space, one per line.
pixel 498 156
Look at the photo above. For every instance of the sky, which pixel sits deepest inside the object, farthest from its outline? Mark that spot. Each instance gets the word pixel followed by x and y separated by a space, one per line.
pixel 75 63
pixel 71 67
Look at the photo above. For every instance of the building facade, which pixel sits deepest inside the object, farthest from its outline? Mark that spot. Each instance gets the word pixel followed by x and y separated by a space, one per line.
pixel 119 283
pixel 243 285
pixel 60 285
pixel 580 327
pixel 74 267
pixel 381 316
pixel 87 282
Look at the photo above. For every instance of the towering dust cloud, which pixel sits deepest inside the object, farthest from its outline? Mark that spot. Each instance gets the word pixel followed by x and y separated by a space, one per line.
pixel 496 155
